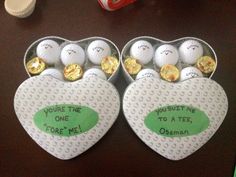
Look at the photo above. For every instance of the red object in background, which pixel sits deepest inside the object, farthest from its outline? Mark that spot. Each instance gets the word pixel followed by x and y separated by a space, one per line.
pixel 114 4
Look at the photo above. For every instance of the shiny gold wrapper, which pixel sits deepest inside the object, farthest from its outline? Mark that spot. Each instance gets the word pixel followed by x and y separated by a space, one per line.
pixel 73 72
pixel 206 64
pixel 170 73
pixel 132 66
pixel 35 66
pixel 109 64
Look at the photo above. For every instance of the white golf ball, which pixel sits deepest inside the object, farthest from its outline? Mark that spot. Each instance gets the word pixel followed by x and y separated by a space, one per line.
pixel 147 73
pixel 49 51
pixel 54 73
pixel 142 51
pixel 190 51
pixel 95 72
pixel 190 72
pixel 72 54
pixel 97 50
pixel 166 54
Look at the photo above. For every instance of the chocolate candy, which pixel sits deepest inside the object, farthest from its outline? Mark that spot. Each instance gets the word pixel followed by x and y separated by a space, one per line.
pixel 109 64
pixel 97 50
pixel 170 73
pixel 166 54
pixel 73 72
pixel 35 65
pixel 132 66
pixel 206 64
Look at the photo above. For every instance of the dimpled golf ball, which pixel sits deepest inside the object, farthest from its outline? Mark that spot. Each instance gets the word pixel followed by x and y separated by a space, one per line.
pixel 72 54
pixel 190 51
pixel 147 73
pixel 166 54
pixel 95 72
pixel 54 73
pixel 142 51
pixel 97 50
pixel 190 72
pixel 49 51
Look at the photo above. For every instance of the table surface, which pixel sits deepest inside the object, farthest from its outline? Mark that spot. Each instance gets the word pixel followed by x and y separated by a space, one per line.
pixel 120 152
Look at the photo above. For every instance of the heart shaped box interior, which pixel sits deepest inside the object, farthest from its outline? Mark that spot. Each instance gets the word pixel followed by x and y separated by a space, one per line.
pixel 173 119
pixel 207 51
pixel 31 52
pixel 67 118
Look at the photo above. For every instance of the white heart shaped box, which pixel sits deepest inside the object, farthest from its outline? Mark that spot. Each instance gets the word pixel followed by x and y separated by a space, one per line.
pixel 173 119
pixel 67 118
pixel 207 50
pixel 31 52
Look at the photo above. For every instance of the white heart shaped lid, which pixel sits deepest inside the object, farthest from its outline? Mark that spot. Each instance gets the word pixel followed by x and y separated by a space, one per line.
pixel 148 94
pixel 41 91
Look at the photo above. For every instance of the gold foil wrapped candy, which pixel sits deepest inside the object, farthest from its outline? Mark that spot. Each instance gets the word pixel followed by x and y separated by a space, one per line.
pixel 73 72
pixel 206 64
pixel 109 64
pixel 132 66
pixel 35 66
pixel 170 73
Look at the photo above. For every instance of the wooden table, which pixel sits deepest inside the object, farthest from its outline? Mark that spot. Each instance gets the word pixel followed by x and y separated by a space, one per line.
pixel 120 153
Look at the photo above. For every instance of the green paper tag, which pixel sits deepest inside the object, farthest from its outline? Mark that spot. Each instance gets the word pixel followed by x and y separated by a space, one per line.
pixel 65 119
pixel 177 121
